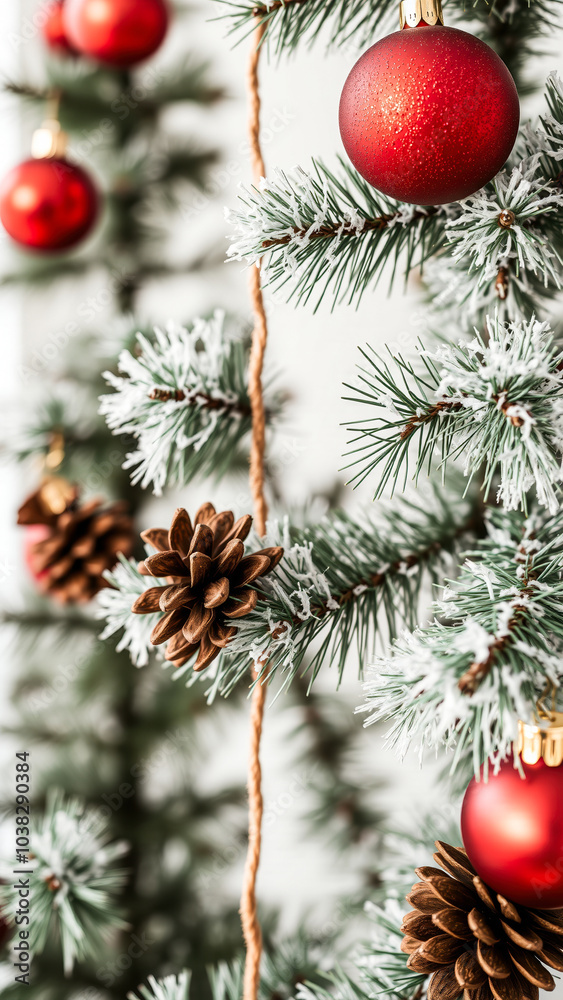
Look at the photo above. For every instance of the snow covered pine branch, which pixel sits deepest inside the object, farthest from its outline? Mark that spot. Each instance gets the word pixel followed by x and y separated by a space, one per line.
pixel 496 404
pixel 288 22
pixel 334 581
pixel 316 231
pixel 75 881
pixel 185 400
pixel 465 679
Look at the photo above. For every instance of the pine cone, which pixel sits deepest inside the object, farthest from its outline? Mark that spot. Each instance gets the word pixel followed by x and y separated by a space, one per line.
pixel 209 582
pixel 82 541
pixel 473 941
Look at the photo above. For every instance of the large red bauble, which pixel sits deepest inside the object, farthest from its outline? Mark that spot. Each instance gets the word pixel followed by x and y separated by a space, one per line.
pixel 54 32
pixel 117 32
pixel 428 115
pixel 48 204
pixel 512 829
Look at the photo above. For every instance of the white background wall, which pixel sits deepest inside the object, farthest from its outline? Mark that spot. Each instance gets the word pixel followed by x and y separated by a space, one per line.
pixel 314 353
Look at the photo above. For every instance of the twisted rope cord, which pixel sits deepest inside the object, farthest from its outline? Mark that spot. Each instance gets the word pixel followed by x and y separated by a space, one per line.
pixel 248 906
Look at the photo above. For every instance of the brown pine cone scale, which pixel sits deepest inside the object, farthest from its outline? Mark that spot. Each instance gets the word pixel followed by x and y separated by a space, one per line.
pixel 81 542
pixel 473 942
pixel 209 582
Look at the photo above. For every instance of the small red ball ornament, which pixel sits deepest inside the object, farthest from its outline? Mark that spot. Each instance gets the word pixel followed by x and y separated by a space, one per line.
pixel 512 827
pixel 35 533
pixel 117 32
pixel 48 204
pixel 429 114
pixel 54 32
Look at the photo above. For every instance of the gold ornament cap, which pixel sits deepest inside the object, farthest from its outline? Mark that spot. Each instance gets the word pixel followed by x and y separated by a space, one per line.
pixel 412 12
pixel 542 739
pixel 48 141
pixel 56 494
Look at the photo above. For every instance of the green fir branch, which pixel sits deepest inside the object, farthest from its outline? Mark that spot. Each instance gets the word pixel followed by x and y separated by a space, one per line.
pixel 513 28
pixel 340 584
pixel 75 881
pixel 317 232
pixel 183 399
pixel 496 404
pixel 463 681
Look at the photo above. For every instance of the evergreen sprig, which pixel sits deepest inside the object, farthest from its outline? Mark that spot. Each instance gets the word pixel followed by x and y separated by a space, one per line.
pixel 169 988
pixel 75 881
pixel 379 967
pixel 464 680
pixel 316 231
pixel 115 602
pixel 184 399
pixel 341 582
pixel 497 404
pixel 290 23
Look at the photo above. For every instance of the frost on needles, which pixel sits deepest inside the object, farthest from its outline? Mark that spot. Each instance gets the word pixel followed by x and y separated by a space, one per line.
pixel 497 404
pixel 339 583
pixel 317 232
pixel 465 679
pixel 184 398
pixel 76 880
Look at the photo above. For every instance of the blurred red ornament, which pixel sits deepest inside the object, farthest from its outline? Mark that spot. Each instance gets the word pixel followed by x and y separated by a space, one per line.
pixel 512 829
pixel 54 32
pixel 429 114
pixel 48 204
pixel 35 533
pixel 117 32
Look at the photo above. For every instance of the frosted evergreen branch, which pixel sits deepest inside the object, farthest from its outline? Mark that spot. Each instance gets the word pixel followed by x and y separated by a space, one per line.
pixel 379 968
pixel 340 583
pixel 291 961
pixel 288 22
pixel 184 398
pixel 169 988
pixel 514 222
pixel 496 404
pixel 465 679
pixel 292 22
pixel 457 300
pixel 114 607
pixel 74 883
pixel 314 231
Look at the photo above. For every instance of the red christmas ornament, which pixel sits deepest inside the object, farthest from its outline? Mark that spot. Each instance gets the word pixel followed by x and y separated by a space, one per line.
pixel 512 827
pixel 34 533
pixel 429 114
pixel 117 32
pixel 48 204
pixel 54 32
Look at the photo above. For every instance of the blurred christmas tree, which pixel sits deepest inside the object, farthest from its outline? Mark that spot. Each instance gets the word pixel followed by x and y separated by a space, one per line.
pixel 122 746
pixel 97 727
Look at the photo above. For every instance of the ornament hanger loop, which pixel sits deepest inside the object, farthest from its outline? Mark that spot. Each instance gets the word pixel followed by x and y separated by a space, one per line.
pixel 544 713
pixel 50 141
pixel 412 12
